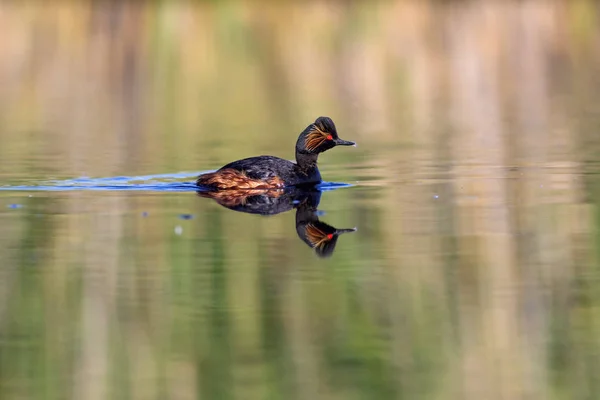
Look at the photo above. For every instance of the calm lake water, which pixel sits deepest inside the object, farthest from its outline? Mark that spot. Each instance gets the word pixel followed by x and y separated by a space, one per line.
pixel 474 272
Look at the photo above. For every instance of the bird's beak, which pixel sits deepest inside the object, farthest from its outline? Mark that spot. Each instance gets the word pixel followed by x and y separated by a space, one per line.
pixel 340 142
pixel 340 231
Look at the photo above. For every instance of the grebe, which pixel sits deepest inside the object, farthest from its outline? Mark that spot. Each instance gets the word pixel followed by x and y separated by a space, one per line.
pixel 268 172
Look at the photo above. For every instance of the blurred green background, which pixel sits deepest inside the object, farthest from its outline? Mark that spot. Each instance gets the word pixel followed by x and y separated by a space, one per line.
pixel 475 270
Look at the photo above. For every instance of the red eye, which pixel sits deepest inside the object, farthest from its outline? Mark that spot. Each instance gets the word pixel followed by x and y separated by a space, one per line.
pixel 329 137
pixel 330 236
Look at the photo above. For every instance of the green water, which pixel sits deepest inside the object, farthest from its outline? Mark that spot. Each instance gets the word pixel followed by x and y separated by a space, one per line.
pixel 475 191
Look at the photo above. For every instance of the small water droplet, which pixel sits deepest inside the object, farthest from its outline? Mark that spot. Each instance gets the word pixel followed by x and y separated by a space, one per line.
pixel 145 214
pixel 15 206
pixel 178 230
pixel 435 196
pixel 186 216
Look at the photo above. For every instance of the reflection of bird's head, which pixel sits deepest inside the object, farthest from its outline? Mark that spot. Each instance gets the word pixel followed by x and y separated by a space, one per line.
pixel 321 236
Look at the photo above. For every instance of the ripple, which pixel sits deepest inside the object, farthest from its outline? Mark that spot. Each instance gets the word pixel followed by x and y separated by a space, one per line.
pixel 175 182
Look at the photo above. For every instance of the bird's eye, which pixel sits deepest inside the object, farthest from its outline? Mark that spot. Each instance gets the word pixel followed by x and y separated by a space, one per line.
pixel 329 137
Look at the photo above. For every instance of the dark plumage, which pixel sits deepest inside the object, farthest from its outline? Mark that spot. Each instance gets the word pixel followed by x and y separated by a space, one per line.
pixel 266 172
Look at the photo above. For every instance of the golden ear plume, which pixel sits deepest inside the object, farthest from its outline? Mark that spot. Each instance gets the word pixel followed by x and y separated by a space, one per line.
pixel 315 138
pixel 316 236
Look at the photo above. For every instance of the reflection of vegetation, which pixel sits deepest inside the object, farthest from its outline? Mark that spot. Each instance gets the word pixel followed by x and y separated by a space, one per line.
pixel 29 348
pixel 485 291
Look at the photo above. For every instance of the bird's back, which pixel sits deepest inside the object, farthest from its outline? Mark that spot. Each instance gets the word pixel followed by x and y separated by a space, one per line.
pixel 262 167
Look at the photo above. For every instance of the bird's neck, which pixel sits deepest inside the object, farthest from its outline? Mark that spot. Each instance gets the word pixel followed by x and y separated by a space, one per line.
pixel 306 161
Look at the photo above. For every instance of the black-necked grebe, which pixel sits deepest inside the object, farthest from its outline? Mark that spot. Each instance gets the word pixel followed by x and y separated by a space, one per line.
pixel 268 172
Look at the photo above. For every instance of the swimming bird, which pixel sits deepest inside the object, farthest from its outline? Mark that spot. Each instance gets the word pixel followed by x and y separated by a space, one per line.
pixel 269 172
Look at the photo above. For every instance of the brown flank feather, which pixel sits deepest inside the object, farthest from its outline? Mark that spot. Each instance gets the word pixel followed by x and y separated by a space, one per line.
pixel 315 138
pixel 234 179
pixel 316 236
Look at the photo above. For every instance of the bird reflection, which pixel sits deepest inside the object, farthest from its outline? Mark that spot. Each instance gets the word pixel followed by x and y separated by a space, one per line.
pixel 317 234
